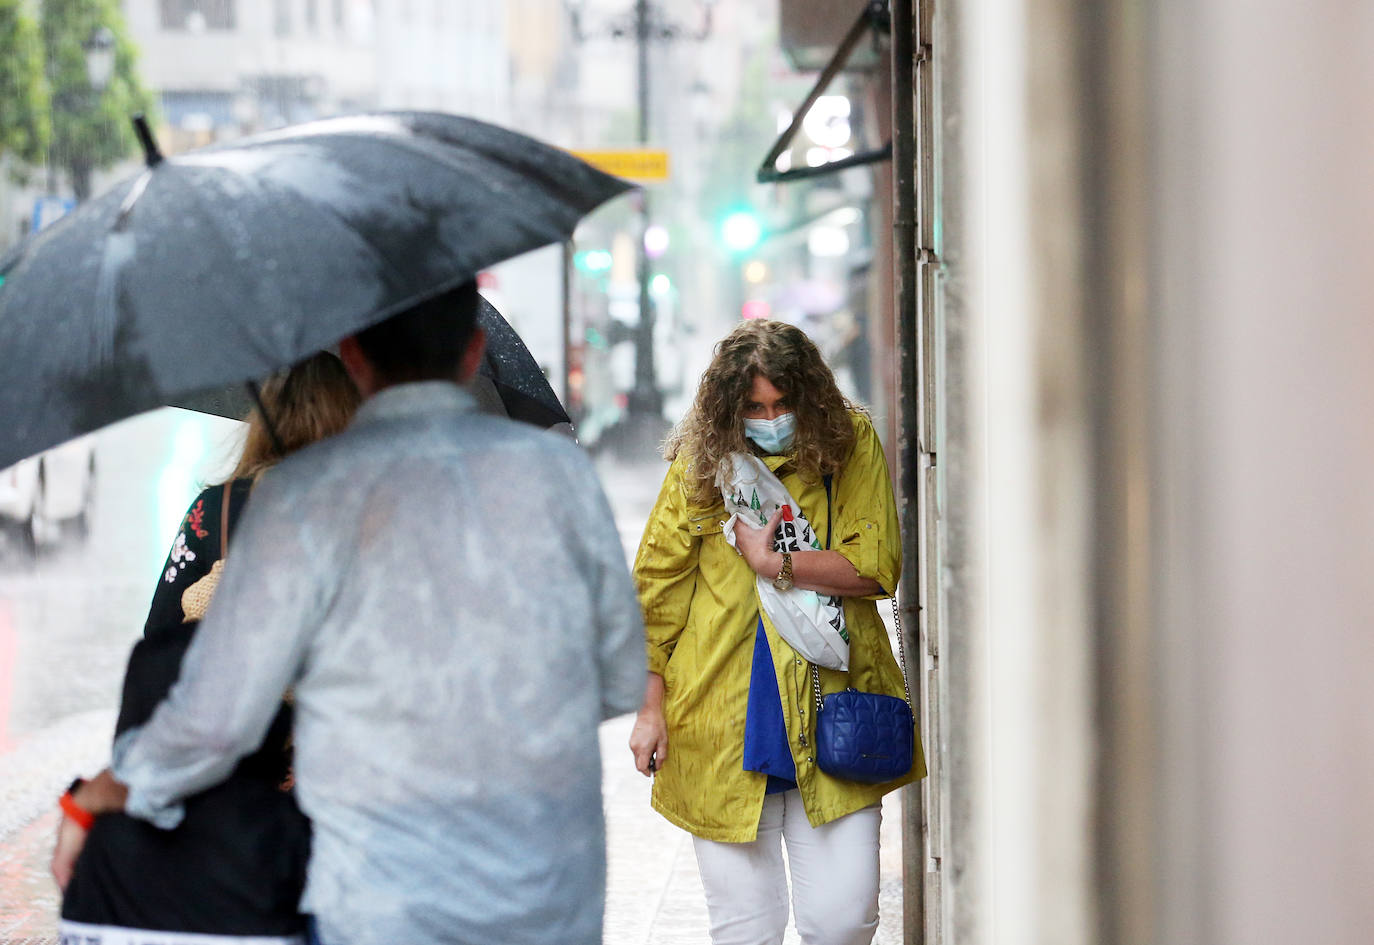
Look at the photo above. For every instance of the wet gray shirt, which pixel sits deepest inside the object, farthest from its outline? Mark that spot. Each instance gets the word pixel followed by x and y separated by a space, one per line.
pixel 447 593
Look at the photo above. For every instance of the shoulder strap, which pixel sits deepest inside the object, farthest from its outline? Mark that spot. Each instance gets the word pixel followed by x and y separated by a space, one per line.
pixel 228 488
pixel 896 618
pixel 829 478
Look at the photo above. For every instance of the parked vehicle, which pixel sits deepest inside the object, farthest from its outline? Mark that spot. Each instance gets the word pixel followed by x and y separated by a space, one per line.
pixel 41 495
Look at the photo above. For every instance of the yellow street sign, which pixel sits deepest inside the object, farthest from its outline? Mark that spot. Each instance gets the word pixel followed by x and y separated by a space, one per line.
pixel 636 164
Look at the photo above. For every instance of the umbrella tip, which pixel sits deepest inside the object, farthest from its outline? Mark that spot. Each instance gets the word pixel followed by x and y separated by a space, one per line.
pixel 151 154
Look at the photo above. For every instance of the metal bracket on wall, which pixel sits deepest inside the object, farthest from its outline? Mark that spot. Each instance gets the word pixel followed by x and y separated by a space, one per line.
pixel 875 16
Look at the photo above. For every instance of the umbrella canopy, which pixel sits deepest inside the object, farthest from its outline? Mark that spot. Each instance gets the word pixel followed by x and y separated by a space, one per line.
pixel 520 382
pixel 227 263
pixel 513 377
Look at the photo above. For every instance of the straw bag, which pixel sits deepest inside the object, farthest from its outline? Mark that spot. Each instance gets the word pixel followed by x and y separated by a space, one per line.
pixel 195 600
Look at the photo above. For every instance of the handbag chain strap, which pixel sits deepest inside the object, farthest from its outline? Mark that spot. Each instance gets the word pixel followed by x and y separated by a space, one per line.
pixel 896 620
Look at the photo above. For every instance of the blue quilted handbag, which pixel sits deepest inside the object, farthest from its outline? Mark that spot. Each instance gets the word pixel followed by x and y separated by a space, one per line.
pixel 864 736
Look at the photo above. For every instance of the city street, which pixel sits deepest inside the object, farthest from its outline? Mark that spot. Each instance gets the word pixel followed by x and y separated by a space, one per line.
pixel 1095 282
pixel 67 622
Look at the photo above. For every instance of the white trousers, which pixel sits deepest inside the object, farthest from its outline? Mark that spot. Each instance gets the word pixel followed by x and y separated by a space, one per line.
pixel 834 878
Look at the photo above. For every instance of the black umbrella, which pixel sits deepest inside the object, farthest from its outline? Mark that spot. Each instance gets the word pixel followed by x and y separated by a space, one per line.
pixel 519 381
pixel 512 375
pixel 227 263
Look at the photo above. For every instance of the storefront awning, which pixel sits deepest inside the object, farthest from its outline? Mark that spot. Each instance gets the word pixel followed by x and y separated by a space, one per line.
pixel 875 17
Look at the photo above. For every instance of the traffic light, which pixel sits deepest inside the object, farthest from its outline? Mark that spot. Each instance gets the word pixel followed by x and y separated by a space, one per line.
pixel 741 231
pixel 592 260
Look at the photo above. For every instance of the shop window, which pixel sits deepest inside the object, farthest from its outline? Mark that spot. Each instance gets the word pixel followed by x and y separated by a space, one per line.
pixel 198 14
pixel 281 17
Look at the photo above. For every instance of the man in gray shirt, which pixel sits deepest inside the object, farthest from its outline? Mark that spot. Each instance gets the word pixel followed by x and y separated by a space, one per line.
pixel 447 595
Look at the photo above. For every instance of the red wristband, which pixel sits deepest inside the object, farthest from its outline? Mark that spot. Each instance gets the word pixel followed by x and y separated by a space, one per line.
pixel 75 812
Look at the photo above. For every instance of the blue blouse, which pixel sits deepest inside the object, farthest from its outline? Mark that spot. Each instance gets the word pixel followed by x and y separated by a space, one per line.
pixel 766 748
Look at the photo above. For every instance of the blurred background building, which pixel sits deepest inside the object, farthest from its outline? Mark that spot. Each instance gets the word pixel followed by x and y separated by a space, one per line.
pixel 720 246
pixel 224 68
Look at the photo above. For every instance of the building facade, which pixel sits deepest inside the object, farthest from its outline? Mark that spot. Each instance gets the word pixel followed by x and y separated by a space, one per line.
pixel 1134 455
pixel 223 68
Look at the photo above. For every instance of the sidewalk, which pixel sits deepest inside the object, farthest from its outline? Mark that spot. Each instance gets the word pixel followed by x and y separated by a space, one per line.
pixel 654 895
pixel 33 773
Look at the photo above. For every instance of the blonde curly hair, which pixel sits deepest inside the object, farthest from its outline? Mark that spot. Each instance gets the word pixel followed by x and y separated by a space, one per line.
pixel 714 426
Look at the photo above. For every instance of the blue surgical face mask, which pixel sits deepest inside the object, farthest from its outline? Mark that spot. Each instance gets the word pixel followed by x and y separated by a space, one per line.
pixel 773 436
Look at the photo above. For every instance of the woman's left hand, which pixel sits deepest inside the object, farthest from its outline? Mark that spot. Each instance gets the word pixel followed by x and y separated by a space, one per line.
pixel 756 545
pixel 71 838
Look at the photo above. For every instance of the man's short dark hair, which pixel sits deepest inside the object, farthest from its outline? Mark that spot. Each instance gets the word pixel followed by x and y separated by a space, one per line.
pixel 426 341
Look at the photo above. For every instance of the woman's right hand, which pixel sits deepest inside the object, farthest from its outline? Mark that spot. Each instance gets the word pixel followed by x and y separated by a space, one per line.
pixel 649 741
pixel 649 737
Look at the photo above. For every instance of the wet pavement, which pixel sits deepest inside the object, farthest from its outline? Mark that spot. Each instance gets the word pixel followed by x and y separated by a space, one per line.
pixel 66 625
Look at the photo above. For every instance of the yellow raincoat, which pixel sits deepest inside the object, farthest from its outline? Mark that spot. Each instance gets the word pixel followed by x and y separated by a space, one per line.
pixel 700 614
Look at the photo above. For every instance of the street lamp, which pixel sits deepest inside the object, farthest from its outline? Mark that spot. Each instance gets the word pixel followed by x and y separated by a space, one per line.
pixel 99 51
pixel 645 23
pixel 99 48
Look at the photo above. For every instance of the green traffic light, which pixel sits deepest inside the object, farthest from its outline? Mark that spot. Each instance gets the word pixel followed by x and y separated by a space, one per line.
pixel 741 231
pixel 593 260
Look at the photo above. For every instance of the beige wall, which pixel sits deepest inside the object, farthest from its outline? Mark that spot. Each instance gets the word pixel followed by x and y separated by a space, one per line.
pixel 1266 500
pixel 1158 512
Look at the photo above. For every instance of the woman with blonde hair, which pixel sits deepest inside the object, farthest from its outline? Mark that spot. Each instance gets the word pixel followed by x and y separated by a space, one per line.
pixel 727 728
pixel 234 865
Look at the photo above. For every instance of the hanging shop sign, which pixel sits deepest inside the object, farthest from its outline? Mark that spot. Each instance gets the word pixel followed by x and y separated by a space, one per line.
pixel 632 163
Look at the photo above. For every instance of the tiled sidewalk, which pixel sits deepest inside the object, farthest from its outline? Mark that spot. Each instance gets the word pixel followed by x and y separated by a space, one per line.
pixel 653 895
pixel 32 774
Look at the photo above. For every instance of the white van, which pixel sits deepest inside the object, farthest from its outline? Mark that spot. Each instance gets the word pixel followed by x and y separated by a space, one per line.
pixel 41 494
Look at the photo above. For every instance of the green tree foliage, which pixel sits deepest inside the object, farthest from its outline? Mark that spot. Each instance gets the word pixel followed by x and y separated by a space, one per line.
pixel 24 127
pixel 90 129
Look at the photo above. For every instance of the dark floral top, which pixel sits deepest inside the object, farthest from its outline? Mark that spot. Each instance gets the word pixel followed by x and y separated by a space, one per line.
pixel 194 551
pixel 235 866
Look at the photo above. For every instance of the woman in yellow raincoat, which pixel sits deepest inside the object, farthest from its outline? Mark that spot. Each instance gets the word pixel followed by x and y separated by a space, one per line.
pixel 727 726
